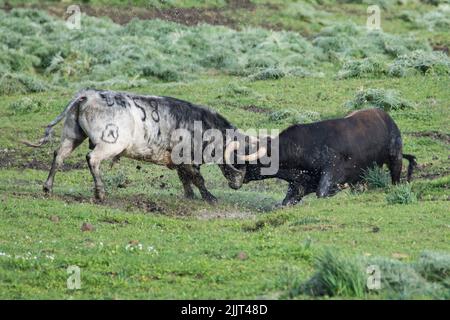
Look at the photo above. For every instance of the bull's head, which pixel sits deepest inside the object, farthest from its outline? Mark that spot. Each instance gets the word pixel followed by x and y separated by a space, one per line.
pixel 235 172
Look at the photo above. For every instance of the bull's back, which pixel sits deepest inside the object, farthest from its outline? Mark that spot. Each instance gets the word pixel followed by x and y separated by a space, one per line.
pixel 360 139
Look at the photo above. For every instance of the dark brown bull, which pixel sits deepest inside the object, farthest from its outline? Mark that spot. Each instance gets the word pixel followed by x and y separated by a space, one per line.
pixel 319 156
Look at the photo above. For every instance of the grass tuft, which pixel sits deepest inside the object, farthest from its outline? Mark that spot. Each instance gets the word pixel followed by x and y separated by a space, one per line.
pixel 376 178
pixel 27 105
pixel 336 274
pixel 20 83
pixel 378 98
pixel 362 68
pixel 401 194
pixel 341 275
pixel 420 62
pixel 435 267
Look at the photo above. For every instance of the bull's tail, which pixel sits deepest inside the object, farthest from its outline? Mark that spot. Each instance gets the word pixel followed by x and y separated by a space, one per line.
pixel 411 165
pixel 49 129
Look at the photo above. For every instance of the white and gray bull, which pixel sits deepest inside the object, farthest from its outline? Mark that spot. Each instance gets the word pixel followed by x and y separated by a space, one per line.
pixel 139 127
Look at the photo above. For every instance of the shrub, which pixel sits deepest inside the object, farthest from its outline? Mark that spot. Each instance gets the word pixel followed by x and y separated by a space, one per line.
pixel 303 11
pixel 302 72
pixel 236 90
pixel 400 280
pixel 161 71
pixel 379 98
pixel 293 116
pixel 362 68
pixel 408 16
pixel 401 194
pixel 268 74
pixel 339 274
pixel 376 177
pixel 421 62
pixel 27 105
pixel 306 116
pixel 21 83
pixel 347 41
pixel 115 180
pixel 280 115
pixel 336 274
pixel 36 43
pixel 437 19
pixel 435 266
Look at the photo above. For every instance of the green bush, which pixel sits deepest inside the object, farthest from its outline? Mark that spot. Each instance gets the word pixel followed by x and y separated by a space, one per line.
pixel 341 275
pixel 400 280
pixel 438 19
pixel 362 68
pixel 401 194
pixel 293 116
pixel 336 274
pixel 379 98
pixel 268 74
pixel 115 180
pixel 435 266
pixel 420 62
pixel 376 177
pixel 27 105
pixel 235 90
pixel 12 83
pixel 347 41
pixel 37 45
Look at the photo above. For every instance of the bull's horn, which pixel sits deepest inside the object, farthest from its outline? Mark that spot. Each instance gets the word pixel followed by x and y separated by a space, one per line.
pixel 231 147
pixel 252 139
pixel 254 156
pixel 234 145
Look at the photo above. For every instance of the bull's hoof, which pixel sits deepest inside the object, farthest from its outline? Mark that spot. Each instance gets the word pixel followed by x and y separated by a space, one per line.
pixel 211 199
pixel 100 196
pixel 47 189
pixel 190 196
pixel 289 203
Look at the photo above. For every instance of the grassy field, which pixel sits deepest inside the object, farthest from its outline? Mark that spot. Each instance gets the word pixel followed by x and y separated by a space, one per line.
pixel 148 242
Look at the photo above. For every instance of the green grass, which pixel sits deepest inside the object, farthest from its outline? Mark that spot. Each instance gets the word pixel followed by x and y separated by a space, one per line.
pixel 198 245
pixel 246 246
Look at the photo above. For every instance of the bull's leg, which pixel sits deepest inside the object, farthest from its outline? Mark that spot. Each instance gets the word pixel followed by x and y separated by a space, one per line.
pixel 395 158
pixel 94 159
pixel 395 168
pixel 326 183
pixel 294 194
pixel 64 150
pixel 199 182
pixel 186 181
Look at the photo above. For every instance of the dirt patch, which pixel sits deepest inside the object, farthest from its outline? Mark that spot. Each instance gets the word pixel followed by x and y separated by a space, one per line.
pixel 40 165
pixel 186 16
pixel 256 109
pixel 123 15
pixel 14 159
pixel 129 203
pixel 209 215
pixel 444 137
pixel 424 171
pixel 431 175
pixel 441 48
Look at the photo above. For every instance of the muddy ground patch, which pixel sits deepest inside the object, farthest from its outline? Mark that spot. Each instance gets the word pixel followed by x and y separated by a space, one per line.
pixel 435 135
pixel 123 15
pixel 21 160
